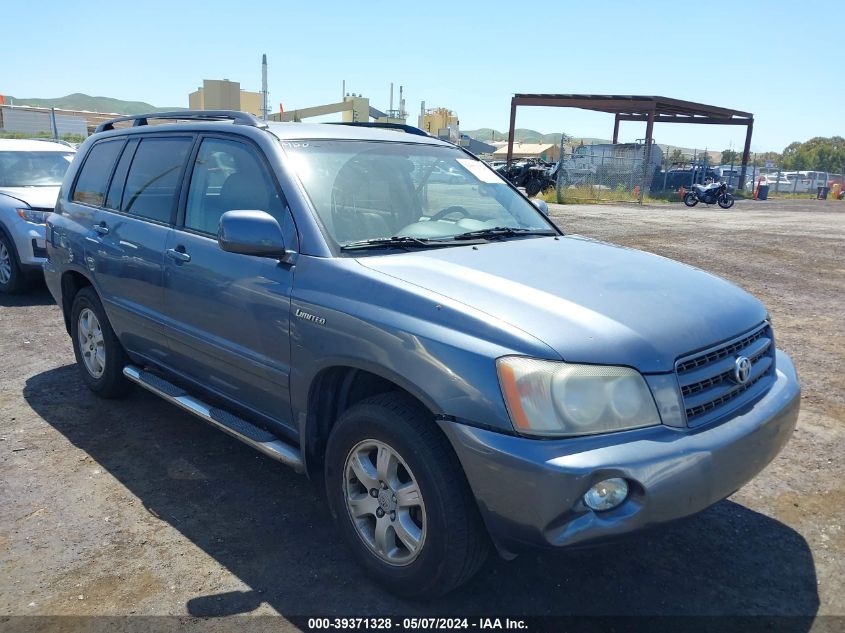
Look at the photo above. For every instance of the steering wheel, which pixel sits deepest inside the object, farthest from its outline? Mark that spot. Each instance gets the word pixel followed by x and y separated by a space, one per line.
pixel 448 211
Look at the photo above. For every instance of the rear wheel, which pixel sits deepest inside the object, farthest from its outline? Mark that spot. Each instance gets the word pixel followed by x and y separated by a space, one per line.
pixel 99 354
pixel 401 499
pixel 726 201
pixel 11 277
pixel 690 200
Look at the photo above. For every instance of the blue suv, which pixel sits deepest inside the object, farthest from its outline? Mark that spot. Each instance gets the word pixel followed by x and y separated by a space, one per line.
pixel 456 370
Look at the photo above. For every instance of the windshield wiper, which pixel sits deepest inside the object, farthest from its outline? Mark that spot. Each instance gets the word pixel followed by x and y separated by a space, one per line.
pixel 397 241
pixel 501 231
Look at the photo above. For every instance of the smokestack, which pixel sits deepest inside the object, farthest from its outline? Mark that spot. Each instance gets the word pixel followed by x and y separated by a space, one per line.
pixel 264 111
pixel 390 111
pixel 401 104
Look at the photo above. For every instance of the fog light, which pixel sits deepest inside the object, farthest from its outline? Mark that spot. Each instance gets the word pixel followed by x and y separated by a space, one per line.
pixel 606 494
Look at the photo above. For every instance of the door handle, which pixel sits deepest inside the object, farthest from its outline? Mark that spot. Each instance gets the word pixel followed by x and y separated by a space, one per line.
pixel 178 255
pixel 102 229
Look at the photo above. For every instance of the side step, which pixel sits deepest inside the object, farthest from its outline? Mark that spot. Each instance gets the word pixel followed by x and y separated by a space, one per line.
pixel 238 428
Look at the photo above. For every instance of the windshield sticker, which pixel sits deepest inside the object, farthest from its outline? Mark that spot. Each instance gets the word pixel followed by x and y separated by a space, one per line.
pixel 480 171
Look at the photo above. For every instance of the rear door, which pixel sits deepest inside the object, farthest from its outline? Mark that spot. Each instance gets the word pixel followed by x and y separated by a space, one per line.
pixel 228 314
pixel 131 228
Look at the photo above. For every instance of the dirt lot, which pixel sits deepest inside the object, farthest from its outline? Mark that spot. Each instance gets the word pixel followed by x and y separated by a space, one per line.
pixel 133 507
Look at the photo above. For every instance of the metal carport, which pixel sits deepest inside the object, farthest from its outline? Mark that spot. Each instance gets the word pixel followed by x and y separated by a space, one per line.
pixel 646 109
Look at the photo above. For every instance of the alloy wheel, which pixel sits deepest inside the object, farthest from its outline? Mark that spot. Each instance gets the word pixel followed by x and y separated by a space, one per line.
pixel 384 502
pixel 5 264
pixel 92 346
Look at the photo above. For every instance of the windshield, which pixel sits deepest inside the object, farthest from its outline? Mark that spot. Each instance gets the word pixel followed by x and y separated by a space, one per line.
pixel 33 169
pixel 375 190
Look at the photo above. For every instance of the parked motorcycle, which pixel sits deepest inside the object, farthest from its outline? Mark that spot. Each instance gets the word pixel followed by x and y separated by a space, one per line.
pixel 713 193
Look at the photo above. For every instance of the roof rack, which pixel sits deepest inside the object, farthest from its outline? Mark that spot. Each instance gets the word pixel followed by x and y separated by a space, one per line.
pixel 410 129
pixel 238 118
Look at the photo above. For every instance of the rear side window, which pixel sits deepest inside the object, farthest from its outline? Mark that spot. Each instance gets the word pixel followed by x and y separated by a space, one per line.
pixel 152 184
pixel 94 178
pixel 113 198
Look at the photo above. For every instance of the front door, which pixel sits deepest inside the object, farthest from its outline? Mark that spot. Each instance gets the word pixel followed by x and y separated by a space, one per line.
pixel 228 314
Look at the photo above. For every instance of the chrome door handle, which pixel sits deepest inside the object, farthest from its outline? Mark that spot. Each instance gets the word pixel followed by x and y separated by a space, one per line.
pixel 179 256
pixel 102 229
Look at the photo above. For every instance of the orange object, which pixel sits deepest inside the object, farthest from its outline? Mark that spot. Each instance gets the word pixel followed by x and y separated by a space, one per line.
pixel 636 191
pixel 757 188
pixel 512 396
pixel 682 192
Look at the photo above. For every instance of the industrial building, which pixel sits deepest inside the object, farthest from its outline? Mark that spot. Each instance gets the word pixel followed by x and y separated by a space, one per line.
pixel 548 152
pixel 222 94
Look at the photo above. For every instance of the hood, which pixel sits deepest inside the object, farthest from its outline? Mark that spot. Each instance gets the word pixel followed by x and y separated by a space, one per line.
pixel 36 197
pixel 590 301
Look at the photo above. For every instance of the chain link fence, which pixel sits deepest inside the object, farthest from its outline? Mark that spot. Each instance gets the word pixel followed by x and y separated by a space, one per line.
pixel 607 173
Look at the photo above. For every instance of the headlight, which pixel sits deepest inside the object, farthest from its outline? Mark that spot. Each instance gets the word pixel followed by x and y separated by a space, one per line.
pixel 34 216
pixel 551 398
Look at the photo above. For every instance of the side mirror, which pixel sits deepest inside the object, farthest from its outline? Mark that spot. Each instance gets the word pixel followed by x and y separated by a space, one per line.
pixel 251 233
pixel 541 205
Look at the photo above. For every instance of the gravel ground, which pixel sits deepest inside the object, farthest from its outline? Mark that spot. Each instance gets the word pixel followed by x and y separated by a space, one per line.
pixel 133 507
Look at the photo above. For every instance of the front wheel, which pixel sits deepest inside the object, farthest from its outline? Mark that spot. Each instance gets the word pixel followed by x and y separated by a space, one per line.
pixel 690 200
pixel 726 201
pixel 534 186
pixel 11 275
pixel 401 499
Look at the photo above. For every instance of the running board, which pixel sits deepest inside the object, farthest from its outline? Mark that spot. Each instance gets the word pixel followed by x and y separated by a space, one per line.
pixel 238 428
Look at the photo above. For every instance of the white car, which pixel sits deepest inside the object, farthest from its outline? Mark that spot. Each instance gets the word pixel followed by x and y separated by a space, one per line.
pixel 775 184
pixel 31 172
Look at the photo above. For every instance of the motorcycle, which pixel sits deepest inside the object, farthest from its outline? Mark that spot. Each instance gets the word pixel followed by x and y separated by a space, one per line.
pixel 713 193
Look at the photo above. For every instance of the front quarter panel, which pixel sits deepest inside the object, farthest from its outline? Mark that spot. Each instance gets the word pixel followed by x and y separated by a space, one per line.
pixel 441 351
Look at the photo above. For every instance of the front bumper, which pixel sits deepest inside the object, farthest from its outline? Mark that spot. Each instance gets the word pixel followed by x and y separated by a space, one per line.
pixel 530 491
pixel 30 243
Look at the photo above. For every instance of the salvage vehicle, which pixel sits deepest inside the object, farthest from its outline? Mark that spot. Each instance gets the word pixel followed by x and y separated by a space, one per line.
pixel 31 171
pixel 453 368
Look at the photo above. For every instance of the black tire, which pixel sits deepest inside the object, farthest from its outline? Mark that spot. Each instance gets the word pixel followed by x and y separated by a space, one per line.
pixel 533 187
pixel 726 201
pixel 454 543
pixel 16 281
pixel 111 383
pixel 689 199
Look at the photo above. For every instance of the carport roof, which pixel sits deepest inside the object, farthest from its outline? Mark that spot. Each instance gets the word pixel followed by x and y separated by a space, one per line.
pixel 637 107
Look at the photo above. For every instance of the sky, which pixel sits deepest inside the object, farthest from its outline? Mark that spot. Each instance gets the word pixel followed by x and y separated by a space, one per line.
pixel 783 62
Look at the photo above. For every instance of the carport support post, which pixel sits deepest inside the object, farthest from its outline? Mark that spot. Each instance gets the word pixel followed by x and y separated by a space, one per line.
pixel 616 129
pixel 511 131
pixel 649 130
pixel 745 153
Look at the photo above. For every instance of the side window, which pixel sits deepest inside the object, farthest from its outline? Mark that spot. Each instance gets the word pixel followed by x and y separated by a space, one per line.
pixel 94 178
pixel 153 180
pixel 228 175
pixel 119 179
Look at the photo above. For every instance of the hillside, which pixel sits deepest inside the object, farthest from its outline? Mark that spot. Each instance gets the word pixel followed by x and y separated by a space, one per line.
pixel 79 101
pixel 524 135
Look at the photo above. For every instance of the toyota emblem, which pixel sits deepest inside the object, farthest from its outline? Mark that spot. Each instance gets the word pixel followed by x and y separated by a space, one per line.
pixel 742 370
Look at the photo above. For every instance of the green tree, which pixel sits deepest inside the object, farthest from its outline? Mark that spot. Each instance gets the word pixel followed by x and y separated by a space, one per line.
pixel 730 156
pixel 819 153
pixel 676 157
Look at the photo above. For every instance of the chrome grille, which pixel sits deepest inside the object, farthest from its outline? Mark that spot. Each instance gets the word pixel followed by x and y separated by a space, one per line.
pixel 706 378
